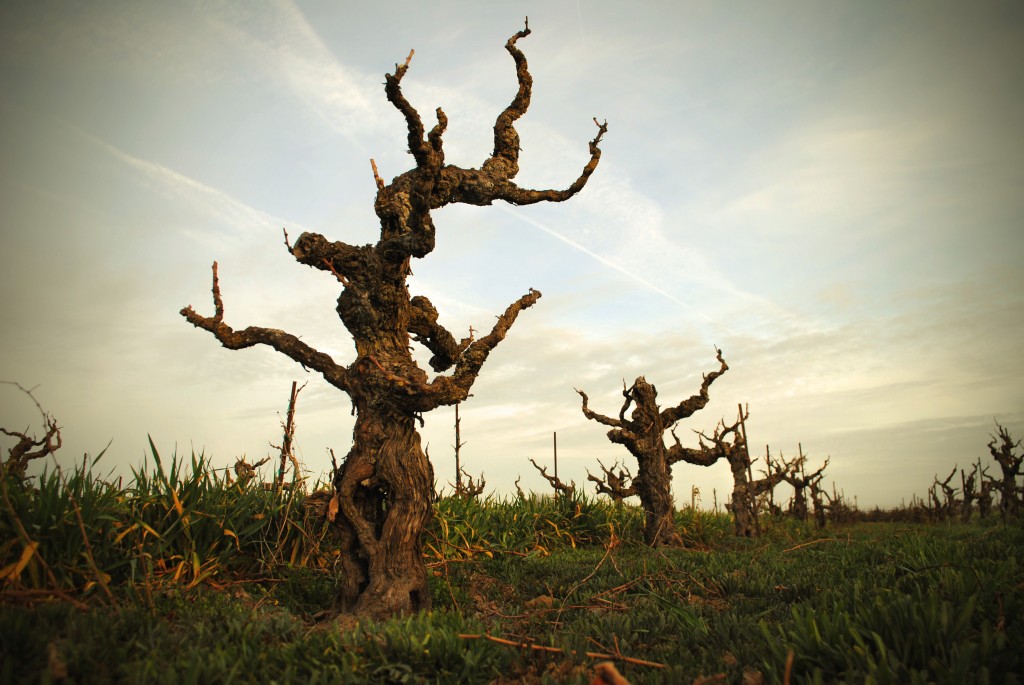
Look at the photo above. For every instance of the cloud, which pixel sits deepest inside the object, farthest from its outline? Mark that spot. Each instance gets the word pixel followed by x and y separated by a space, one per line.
pixel 602 260
pixel 238 217
pixel 281 44
pixel 839 169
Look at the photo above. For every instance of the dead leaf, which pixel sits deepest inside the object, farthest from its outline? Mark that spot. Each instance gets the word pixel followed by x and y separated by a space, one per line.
pixel 752 677
pixel 58 669
pixel 605 673
pixel 542 602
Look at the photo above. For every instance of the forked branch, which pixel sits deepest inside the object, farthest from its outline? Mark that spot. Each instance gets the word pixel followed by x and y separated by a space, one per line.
pixel 504 160
pixel 690 406
pixel 559 487
pixel 436 184
pixel 616 485
pixel 467 488
pixel 704 456
pixel 511 193
pixel 455 388
pixel 28 446
pixel 285 343
pixel 419 148
pixel 601 418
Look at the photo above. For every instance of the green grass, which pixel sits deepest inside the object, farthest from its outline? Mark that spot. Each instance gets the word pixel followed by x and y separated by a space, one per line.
pixel 179 522
pixel 158 591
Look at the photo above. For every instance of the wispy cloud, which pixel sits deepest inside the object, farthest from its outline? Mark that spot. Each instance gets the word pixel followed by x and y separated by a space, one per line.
pixel 844 166
pixel 282 44
pixel 234 215
pixel 603 260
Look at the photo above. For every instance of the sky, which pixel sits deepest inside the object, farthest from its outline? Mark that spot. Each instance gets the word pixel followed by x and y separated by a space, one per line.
pixel 830 192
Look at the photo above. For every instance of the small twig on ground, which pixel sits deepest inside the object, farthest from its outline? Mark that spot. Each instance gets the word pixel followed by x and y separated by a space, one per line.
pixel 810 542
pixel 613 542
pixel 559 650
pixel 717 678
pixel 28 594
pixel 451 592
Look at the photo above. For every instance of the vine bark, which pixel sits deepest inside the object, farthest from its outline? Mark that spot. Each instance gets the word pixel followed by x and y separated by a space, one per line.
pixel 642 434
pixel 384 486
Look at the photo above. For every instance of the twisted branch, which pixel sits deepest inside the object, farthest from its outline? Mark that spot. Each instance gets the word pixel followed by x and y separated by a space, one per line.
pixel 285 343
pixel 690 406
pixel 615 485
pixel 558 486
pixel 455 388
pixel 22 452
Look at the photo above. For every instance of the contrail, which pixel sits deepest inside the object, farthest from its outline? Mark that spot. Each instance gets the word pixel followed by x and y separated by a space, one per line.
pixel 579 13
pixel 177 186
pixel 603 260
pixel 241 216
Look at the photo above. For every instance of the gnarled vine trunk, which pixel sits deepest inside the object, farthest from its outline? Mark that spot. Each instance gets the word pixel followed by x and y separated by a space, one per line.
pixel 642 434
pixel 729 442
pixel 1003 450
pixel 384 487
pixel 795 474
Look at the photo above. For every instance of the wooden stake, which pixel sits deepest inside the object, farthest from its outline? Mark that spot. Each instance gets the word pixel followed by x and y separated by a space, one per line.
pixel 286 442
pixel 458 446
pixel 554 437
